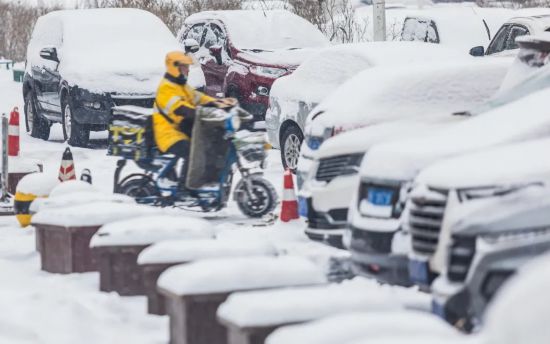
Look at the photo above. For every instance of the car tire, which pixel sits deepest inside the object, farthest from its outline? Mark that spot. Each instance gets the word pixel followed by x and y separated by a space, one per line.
pixel 75 134
pixel 291 141
pixel 36 126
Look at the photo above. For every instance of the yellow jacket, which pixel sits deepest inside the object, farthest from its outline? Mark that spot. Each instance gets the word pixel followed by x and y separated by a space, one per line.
pixel 174 101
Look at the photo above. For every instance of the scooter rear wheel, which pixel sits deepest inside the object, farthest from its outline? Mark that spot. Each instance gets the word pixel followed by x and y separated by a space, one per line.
pixel 264 201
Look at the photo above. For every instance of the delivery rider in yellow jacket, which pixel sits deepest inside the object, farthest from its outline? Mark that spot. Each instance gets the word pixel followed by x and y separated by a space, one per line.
pixel 175 106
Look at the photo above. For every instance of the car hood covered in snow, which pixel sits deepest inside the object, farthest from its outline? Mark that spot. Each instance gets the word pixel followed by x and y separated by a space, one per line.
pixel 521 120
pixel 108 50
pixel 360 140
pixel 509 164
pixel 389 93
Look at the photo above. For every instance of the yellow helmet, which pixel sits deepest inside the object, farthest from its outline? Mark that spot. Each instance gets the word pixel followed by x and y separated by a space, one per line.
pixel 174 59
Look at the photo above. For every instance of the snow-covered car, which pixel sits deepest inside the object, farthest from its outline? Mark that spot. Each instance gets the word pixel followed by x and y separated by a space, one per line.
pixel 467 182
pixel 450 83
pixel 504 41
pixel 496 199
pixel 456 26
pixel 243 52
pixel 389 169
pixel 292 97
pixel 82 62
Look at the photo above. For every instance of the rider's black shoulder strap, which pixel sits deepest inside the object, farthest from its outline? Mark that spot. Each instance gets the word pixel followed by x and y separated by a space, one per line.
pixel 162 113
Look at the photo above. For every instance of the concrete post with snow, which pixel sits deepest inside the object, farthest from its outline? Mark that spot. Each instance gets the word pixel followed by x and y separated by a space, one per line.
pixel 379 15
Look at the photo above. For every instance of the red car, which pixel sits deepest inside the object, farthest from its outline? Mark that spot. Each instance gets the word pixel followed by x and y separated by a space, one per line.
pixel 242 52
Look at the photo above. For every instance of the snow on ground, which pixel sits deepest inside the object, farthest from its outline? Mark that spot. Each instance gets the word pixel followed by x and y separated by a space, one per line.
pixel 39 307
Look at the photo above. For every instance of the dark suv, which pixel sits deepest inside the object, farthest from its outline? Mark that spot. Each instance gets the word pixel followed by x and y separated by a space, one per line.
pixel 82 62
pixel 243 52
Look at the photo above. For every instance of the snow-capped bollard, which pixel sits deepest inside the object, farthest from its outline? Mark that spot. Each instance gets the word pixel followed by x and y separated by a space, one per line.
pixel 86 176
pixel 65 233
pixel 118 244
pixel 251 316
pixel 194 291
pixel 31 187
pixel 155 259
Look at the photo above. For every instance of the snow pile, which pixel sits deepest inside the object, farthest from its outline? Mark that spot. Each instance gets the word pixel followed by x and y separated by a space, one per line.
pixel 421 339
pixel 384 94
pixel 265 30
pixel 524 119
pixel 519 313
pixel 278 233
pixel 147 230
pixel 76 198
pixel 39 184
pixel 292 305
pixel 240 273
pixel 183 251
pixel 106 50
pixel 72 186
pixel 347 327
pixel 91 214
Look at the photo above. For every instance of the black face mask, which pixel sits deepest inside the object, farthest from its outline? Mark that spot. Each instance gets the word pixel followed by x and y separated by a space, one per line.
pixel 180 80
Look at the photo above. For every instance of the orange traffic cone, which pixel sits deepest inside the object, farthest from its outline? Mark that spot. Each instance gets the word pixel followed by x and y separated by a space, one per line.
pixel 13 133
pixel 66 170
pixel 289 207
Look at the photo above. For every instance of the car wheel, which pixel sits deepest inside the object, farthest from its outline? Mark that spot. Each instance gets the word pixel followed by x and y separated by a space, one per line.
pixel 37 126
pixel 291 141
pixel 75 133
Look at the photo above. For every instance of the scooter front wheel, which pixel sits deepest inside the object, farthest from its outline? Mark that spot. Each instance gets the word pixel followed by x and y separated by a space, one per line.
pixel 142 189
pixel 259 201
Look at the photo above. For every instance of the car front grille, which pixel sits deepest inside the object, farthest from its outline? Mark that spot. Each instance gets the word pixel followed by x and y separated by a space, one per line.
pixel 330 168
pixel 144 101
pixel 425 219
pixel 320 220
pixel 462 253
pixel 371 242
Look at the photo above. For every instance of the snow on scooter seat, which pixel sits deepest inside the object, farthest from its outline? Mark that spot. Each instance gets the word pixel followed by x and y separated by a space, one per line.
pixel 180 251
pixel 147 230
pixel 240 273
pixel 346 327
pixel 92 214
pixel 293 305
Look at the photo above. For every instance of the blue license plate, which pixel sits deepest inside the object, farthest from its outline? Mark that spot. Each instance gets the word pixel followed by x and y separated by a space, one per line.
pixel 379 197
pixel 438 309
pixel 418 272
pixel 302 206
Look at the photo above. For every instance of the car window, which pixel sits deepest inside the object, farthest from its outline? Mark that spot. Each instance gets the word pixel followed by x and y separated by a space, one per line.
pixel 515 31
pixel 498 43
pixel 214 36
pixel 420 30
pixel 195 33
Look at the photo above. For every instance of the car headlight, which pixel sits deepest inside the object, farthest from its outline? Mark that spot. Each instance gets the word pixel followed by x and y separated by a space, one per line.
pixel 515 235
pixel 92 105
pixel 492 191
pixel 269 72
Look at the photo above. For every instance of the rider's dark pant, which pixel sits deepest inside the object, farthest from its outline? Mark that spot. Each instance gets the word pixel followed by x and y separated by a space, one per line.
pixel 181 150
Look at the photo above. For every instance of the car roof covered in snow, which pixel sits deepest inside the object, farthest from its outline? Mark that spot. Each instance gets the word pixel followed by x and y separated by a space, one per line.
pixel 389 93
pixel 518 121
pixel 539 22
pixel 268 30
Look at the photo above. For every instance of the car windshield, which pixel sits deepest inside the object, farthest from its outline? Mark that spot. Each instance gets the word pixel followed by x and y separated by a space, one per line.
pixel 274 30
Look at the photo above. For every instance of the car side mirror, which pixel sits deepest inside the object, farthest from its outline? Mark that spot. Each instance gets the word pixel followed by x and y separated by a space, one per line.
pixel 216 51
pixel 191 45
pixel 477 51
pixel 49 53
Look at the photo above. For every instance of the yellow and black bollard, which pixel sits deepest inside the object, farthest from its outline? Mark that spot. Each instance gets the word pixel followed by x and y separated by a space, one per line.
pixel 31 187
pixel 21 207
